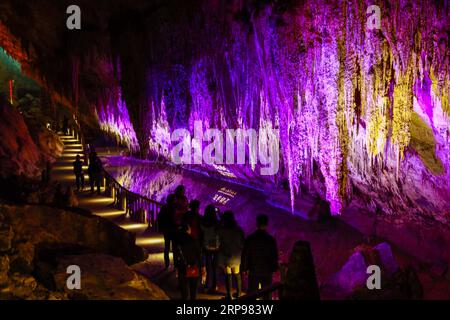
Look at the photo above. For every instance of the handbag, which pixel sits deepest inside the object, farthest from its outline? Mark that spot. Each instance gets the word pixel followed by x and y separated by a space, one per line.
pixel 192 271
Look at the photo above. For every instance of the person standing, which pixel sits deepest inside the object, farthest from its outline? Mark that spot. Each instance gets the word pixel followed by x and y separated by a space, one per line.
pixel 166 225
pixel 231 242
pixel 260 256
pixel 181 203
pixel 95 171
pixel 193 218
pixel 65 125
pixel 98 173
pixel 78 171
pixel 210 247
pixel 188 263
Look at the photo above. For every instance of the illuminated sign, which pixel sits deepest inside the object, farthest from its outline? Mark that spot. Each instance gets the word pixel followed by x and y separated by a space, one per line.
pixel 224 195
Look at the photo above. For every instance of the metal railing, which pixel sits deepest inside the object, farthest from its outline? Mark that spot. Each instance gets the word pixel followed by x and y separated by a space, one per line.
pixel 137 207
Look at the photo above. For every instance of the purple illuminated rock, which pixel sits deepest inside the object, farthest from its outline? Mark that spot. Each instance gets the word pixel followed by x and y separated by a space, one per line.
pixel 389 264
pixel 353 274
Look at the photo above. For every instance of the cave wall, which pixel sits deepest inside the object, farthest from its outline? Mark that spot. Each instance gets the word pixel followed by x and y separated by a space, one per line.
pixel 363 114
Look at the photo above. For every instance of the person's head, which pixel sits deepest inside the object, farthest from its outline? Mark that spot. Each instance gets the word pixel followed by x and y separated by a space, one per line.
pixel 210 217
pixel 170 200
pixel 262 221
pixel 194 205
pixel 78 157
pixel 228 219
pixel 180 191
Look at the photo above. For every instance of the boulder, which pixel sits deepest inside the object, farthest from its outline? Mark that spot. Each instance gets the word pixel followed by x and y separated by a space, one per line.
pixel 39 242
pixel 36 226
pixel 389 264
pixel 396 283
pixel 106 277
pixel 353 274
pixel 50 145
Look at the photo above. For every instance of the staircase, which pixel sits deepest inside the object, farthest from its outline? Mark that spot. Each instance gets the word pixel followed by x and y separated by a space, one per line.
pixel 103 206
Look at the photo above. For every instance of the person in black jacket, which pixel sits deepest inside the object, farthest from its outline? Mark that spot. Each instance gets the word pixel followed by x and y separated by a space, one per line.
pixel 260 256
pixel 78 171
pixel 210 247
pixel 189 263
pixel 166 225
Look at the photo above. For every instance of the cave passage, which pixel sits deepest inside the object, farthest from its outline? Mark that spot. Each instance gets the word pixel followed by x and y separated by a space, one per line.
pixel 238 149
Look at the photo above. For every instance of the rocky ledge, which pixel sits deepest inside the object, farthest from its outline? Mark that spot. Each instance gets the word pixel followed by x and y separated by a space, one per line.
pixel 38 243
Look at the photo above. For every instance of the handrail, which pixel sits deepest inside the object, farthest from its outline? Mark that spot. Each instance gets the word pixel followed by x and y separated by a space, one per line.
pixel 138 207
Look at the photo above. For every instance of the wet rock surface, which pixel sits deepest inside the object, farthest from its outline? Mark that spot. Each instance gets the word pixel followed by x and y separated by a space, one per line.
pixel 106 277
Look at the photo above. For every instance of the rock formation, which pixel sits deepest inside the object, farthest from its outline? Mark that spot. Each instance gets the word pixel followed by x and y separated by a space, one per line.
pixel 363 114
pixel 38 243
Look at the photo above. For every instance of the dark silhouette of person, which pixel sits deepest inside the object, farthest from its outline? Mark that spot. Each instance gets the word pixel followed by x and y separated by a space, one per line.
pixel 95 171
pixel 98 173
pixel 181 203
pixel 210 246
pixel 78 171
pixel 65 125
pixel 166 225
pixel 260 256
pixel 231 242
pixel 301 281
pixel 193 218
pixel 188 263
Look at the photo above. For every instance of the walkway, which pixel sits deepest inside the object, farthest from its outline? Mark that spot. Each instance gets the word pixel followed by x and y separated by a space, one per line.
pixel 102 206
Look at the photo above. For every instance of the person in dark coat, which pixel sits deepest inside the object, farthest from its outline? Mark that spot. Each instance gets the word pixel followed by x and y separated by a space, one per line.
pixel 181 203
pixel 193 218
pixel 166 225
pixel 231 242
pixel 95 171
pixel 210 247
pixel 260 256
pixel 188 263
pixel 65 126
pixel 78 171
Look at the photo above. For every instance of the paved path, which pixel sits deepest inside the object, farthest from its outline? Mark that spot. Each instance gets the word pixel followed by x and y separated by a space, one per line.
pixel 102 206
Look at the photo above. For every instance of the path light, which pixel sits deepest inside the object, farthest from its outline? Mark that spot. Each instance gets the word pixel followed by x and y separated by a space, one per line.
pixel 133 226
pixel 97 201
pixel 149 241
pixel 109 214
